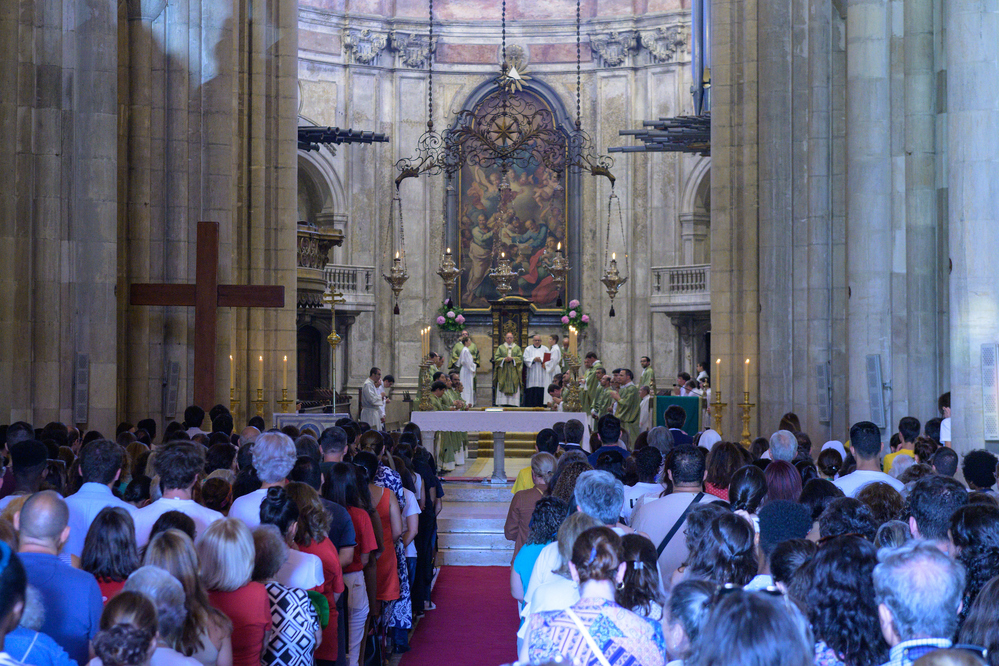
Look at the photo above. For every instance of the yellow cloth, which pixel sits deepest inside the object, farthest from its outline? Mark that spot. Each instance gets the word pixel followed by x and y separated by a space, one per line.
pixel 524 480
pixel 890 458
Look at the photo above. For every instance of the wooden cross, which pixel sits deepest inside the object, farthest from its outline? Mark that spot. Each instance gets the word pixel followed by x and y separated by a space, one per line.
pixel 205 295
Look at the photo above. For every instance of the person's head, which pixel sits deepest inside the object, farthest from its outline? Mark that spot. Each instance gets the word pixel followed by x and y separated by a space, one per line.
pixel 600 495
pixel 648 461
pixel 687 466
pixel 271 552
pixel 641 592
pixel 307 471
pixel 747 488
pixel 790 421
pixel 568 534
pixel 333 442
pixel 847 515
pixel 223 424
pixel 28 460
pixel 686 612
pixel 722 462
pixel 892 534
pixel 194 416
pixel 609 429
pixel 979 469
pixel 781 521
pixel 128 629
pixel 226 554
pixel 274 455
pixel 865 440
pixel 547 517
pixel 675 416
pixel 943 405
pixel 279 510
pixel 542 468
pixel 567 471
pixel 932 502
pixel 438 388
pixel 100 461
pixel 840 602
pixel 783 481
pixel 662 439
pixel 596 556
pixel 945 462
pixel 109 551
pixel 13 589
pixel 220 456
pixel 699 519
pixel 590 359
pixel 974 532
pixel 574 431
pixel 788 557
pixel 726 551
pixel 884 501
pixel 167 594
pixel 508 338
pixel 932 429
pixel 546 441
pixel 908 431
pixel 816 495
pixel 829 463
pixel 43 521
pixel 783 445
pixel 924 448
pixel 760 629
pixel 918 590
pixel 178 465
pixel 313 519
pixel 981 625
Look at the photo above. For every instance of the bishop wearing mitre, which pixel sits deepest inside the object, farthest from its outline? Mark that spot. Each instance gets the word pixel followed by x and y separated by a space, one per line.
pixel 507 361
pixel 537 374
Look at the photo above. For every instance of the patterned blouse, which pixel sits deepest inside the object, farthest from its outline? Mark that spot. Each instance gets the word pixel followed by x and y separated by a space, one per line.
pixel 295 625
pixel 625 638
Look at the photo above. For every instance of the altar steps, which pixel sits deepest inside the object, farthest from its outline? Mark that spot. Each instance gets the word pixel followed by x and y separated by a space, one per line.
pixel 517 444
pixel 470 526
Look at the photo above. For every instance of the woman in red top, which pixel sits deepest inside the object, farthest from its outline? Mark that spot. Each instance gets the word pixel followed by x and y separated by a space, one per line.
pixel 312 537
pixel 341 487
pixel 109 551
pixel 227 556
pixel 387 507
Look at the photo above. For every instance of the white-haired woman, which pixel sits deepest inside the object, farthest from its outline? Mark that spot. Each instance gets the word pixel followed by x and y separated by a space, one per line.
pixel 167 594
pixel 227 556
pixel 274 456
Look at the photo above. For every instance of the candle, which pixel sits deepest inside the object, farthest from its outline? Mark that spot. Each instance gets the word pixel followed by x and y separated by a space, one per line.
pixel 285 386
pixel 232 373
pixel 716 380
pixel 502 255
pixel 261 384
pixel 449 252
pixel 747 376
pixel 559 248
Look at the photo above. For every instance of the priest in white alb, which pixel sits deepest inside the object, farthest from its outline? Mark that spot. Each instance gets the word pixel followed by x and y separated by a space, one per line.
pixel 537 375
pixel 466 368
pixel 554 364
pixel 371 399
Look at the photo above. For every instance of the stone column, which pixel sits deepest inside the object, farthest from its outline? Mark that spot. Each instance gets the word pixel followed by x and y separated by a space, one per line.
pixel 694 231
pixel 869 187
pixel 972 33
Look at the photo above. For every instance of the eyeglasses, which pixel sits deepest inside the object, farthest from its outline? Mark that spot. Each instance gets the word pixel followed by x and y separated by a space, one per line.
pixel 729 588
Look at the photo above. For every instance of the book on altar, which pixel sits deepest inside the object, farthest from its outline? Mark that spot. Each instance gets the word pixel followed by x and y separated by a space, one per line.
pixel 548 357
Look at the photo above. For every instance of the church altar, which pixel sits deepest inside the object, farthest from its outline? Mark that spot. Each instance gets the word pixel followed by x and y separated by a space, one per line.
pixel 498 422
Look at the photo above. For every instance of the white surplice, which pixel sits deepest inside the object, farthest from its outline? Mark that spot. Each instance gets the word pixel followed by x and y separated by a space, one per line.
pixel 371 404
pixel 537 376
pixel 554 366
pixel 466 365
pixel 645 414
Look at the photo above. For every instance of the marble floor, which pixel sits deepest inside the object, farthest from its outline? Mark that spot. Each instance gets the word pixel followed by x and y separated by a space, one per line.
pixel 482 468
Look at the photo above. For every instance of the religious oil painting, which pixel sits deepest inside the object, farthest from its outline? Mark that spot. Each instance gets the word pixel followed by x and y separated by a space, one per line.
pixel 525 223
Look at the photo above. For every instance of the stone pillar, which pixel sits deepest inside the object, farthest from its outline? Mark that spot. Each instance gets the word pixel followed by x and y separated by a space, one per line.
pixel 869 188
pixel 972 33
pixel 694 237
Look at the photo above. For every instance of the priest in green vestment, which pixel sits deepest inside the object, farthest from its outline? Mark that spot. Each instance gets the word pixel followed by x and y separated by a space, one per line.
pixel 591 383
pixel 602 402
pixel 446 440
pixel 648 374
pixel 458 346
pixel 628 405
pixel 507 363
pixel 457 402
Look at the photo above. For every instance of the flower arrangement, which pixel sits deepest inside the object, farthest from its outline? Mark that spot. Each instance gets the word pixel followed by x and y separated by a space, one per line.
pixel 450 318
pixel 573 315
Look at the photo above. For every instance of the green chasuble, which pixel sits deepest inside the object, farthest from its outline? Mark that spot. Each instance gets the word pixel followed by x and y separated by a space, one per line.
pixel 648 377
pixel 508 374
pixel 601 402
pixel 590 386
pixel 456 352
pixel 627 410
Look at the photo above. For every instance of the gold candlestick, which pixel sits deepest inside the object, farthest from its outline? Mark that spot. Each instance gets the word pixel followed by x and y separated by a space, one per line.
pixel 717 410
pixel 424 389
pixel 287 406
pixel 233 404
pixel 746 416
pixel 572 401
pixel 260 403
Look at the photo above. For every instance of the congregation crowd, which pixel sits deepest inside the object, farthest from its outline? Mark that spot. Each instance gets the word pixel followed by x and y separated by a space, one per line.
pixel 212 547
pixel 694 551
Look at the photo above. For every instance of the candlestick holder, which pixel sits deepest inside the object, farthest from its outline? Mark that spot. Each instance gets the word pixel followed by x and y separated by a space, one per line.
pixel 233 404
pixel 572 399
pixel 746 416
pixel 717 412
pixel 424 388
pixel 260 403
pixel 287 406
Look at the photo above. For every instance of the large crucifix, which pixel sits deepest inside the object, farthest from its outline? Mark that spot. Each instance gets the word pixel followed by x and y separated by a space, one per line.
pixel 205 295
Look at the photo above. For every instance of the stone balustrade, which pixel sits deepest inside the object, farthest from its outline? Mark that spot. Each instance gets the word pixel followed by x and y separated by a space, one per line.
pixel 681 288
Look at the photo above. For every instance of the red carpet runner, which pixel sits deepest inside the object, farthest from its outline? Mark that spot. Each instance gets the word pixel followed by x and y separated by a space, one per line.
pixel 475 623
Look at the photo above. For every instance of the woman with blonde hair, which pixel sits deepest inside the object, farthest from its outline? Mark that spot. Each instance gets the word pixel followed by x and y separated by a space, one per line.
pixel 207 632
pixel 518 517
pixel 227 556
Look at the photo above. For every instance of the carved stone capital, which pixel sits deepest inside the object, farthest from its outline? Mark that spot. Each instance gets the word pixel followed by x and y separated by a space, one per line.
pixel 665 44
pixel 414 49
pixel 613 48
pixel 364 45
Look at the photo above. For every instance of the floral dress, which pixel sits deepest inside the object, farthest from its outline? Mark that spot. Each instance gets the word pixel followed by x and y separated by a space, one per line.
pixel 398 613
pixel 624 638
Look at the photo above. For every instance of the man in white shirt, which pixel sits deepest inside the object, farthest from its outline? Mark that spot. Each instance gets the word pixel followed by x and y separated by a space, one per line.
pixel 274 456
pixel 943 404
pixel 865 442
pixel 537 376
pixel 372 403
pixel 388 381
pixel 194 417
pixel 177 465
pixel 100 466
pixel 644 409
pixel 648 461
pixel 554 364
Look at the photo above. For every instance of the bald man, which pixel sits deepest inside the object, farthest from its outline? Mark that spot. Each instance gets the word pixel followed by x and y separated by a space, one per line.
pixel 71 597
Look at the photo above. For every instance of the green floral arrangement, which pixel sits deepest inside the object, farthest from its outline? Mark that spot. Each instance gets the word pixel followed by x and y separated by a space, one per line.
pixel 450 318
pixel 573 316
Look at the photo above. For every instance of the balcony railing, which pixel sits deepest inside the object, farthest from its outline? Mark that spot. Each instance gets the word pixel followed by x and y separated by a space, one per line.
pixel 356 283
pixel 681 288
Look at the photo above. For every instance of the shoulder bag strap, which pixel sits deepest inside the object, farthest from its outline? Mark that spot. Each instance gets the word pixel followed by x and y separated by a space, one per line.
pixel 679 521
pixel 597 652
